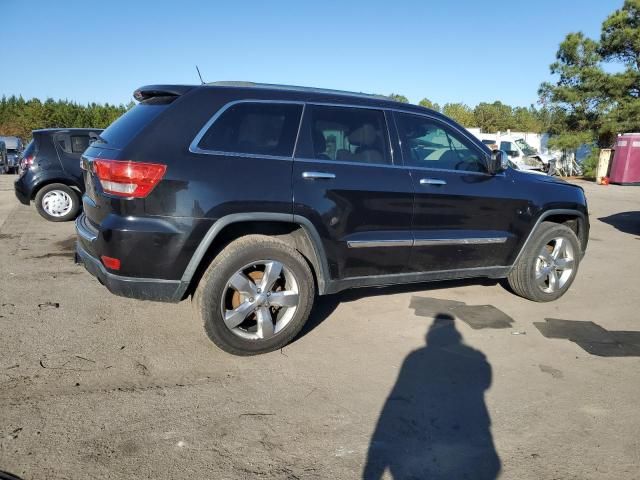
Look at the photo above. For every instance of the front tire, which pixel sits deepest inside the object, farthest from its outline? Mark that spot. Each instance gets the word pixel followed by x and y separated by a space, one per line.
pixel 255 296
pixel 57 202
pixel 548 265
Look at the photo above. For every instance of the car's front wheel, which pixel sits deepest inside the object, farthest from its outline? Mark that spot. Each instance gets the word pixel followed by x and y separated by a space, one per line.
pixel 548 265
pixel 57 202
pixel 255 296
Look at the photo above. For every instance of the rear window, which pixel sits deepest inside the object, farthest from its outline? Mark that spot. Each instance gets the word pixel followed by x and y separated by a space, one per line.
pixel 30 149
pixel 79 143
pixel 255 128
pixel 125 128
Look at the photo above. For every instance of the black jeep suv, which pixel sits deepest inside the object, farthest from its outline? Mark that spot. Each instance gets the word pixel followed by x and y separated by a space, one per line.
pixel 50 173
pixel 256 197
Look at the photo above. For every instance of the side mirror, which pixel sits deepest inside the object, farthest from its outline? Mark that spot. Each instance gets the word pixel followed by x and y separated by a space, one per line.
pixel 498 162
pixel 512 153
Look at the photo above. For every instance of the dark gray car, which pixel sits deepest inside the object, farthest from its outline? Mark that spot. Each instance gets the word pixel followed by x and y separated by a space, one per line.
pixel 14 148
pixel 3 158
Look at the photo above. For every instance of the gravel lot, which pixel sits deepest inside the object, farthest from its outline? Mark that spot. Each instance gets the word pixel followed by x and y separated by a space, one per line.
pixel 97 386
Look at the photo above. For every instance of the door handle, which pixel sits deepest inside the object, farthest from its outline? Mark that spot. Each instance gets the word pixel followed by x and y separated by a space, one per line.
pixel 432 181
pixel 318 175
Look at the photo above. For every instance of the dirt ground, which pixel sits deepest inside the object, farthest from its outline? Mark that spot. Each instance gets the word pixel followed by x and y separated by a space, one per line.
pixel 97 386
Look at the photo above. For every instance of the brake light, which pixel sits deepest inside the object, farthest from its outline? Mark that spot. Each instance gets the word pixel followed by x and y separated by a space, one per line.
pixel 128 179
pixel 110 262
pixel 27 162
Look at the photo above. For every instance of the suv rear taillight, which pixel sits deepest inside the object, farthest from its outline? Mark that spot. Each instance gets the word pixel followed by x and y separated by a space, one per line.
pixel 27 162
pixel 128 179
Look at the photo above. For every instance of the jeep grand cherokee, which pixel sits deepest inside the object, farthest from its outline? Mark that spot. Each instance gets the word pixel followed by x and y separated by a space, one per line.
pixel 254 198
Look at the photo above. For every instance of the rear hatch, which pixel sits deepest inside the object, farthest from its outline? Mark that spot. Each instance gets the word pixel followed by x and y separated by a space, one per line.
pixel 108 163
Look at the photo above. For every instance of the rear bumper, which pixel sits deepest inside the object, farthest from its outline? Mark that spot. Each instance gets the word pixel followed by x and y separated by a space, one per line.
pixel 140 288
pixel 22 194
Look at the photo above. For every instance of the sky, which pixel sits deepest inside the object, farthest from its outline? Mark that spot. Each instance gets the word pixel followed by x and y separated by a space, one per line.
pixel 448 51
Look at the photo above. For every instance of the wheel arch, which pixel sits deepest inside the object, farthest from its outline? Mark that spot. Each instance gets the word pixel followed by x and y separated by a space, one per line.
pixel 574 219
pixel 48 181
pixel 295 230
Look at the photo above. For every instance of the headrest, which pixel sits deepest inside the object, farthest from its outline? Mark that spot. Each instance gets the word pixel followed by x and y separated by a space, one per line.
pixel 319 142
pixel 364 136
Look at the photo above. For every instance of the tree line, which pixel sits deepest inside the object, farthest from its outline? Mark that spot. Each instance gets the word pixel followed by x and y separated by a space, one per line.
pixel 594 96
pixel 491 117
pixel 19 116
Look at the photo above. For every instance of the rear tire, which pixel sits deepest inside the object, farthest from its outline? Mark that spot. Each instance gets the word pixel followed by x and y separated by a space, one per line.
pixel 548 265
pixel 255 296
pixel 58 202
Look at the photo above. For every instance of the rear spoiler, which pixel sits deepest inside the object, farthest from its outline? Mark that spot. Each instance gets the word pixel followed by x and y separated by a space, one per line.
pixel 150 91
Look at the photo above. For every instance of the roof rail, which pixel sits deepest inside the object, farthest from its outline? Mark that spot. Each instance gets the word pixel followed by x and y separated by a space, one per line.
pixel 295 88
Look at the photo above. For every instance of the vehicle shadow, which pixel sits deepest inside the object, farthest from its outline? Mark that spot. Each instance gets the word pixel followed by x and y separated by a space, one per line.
pixel 325 305
pixel 626 222
pixel 435 424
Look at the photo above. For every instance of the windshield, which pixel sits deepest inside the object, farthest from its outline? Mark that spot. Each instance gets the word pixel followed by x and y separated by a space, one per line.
pixel 526 148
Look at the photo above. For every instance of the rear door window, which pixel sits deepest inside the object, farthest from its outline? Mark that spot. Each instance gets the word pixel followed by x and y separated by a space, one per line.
pixel 349 134
pixel 254 128
pixel 73 143
pixel 79 143
pixel 63 142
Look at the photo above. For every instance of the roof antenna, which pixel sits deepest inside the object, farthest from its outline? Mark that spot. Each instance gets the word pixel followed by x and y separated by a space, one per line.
pixel 201 81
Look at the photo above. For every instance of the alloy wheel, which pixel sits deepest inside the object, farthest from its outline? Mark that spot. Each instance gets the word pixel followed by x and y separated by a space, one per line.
pixel 554 265
pixel 260 300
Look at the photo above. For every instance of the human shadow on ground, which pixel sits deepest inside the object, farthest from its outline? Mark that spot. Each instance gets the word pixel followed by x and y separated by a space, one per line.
pixel 626 222
pixel 435 424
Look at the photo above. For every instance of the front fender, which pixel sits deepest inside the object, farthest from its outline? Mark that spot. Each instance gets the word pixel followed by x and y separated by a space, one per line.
pixel 583 228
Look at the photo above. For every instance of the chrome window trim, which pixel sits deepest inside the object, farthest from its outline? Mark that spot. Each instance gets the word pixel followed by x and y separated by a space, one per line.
pixel 346 162
pixel 194 148
pixel 300 123
pixel 460 172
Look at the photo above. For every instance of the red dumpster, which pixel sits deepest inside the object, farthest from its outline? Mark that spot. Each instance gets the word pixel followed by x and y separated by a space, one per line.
pixel 625 169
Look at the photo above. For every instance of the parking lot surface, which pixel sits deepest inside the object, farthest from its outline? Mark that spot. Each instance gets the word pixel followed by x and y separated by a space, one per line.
pixel 97 386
